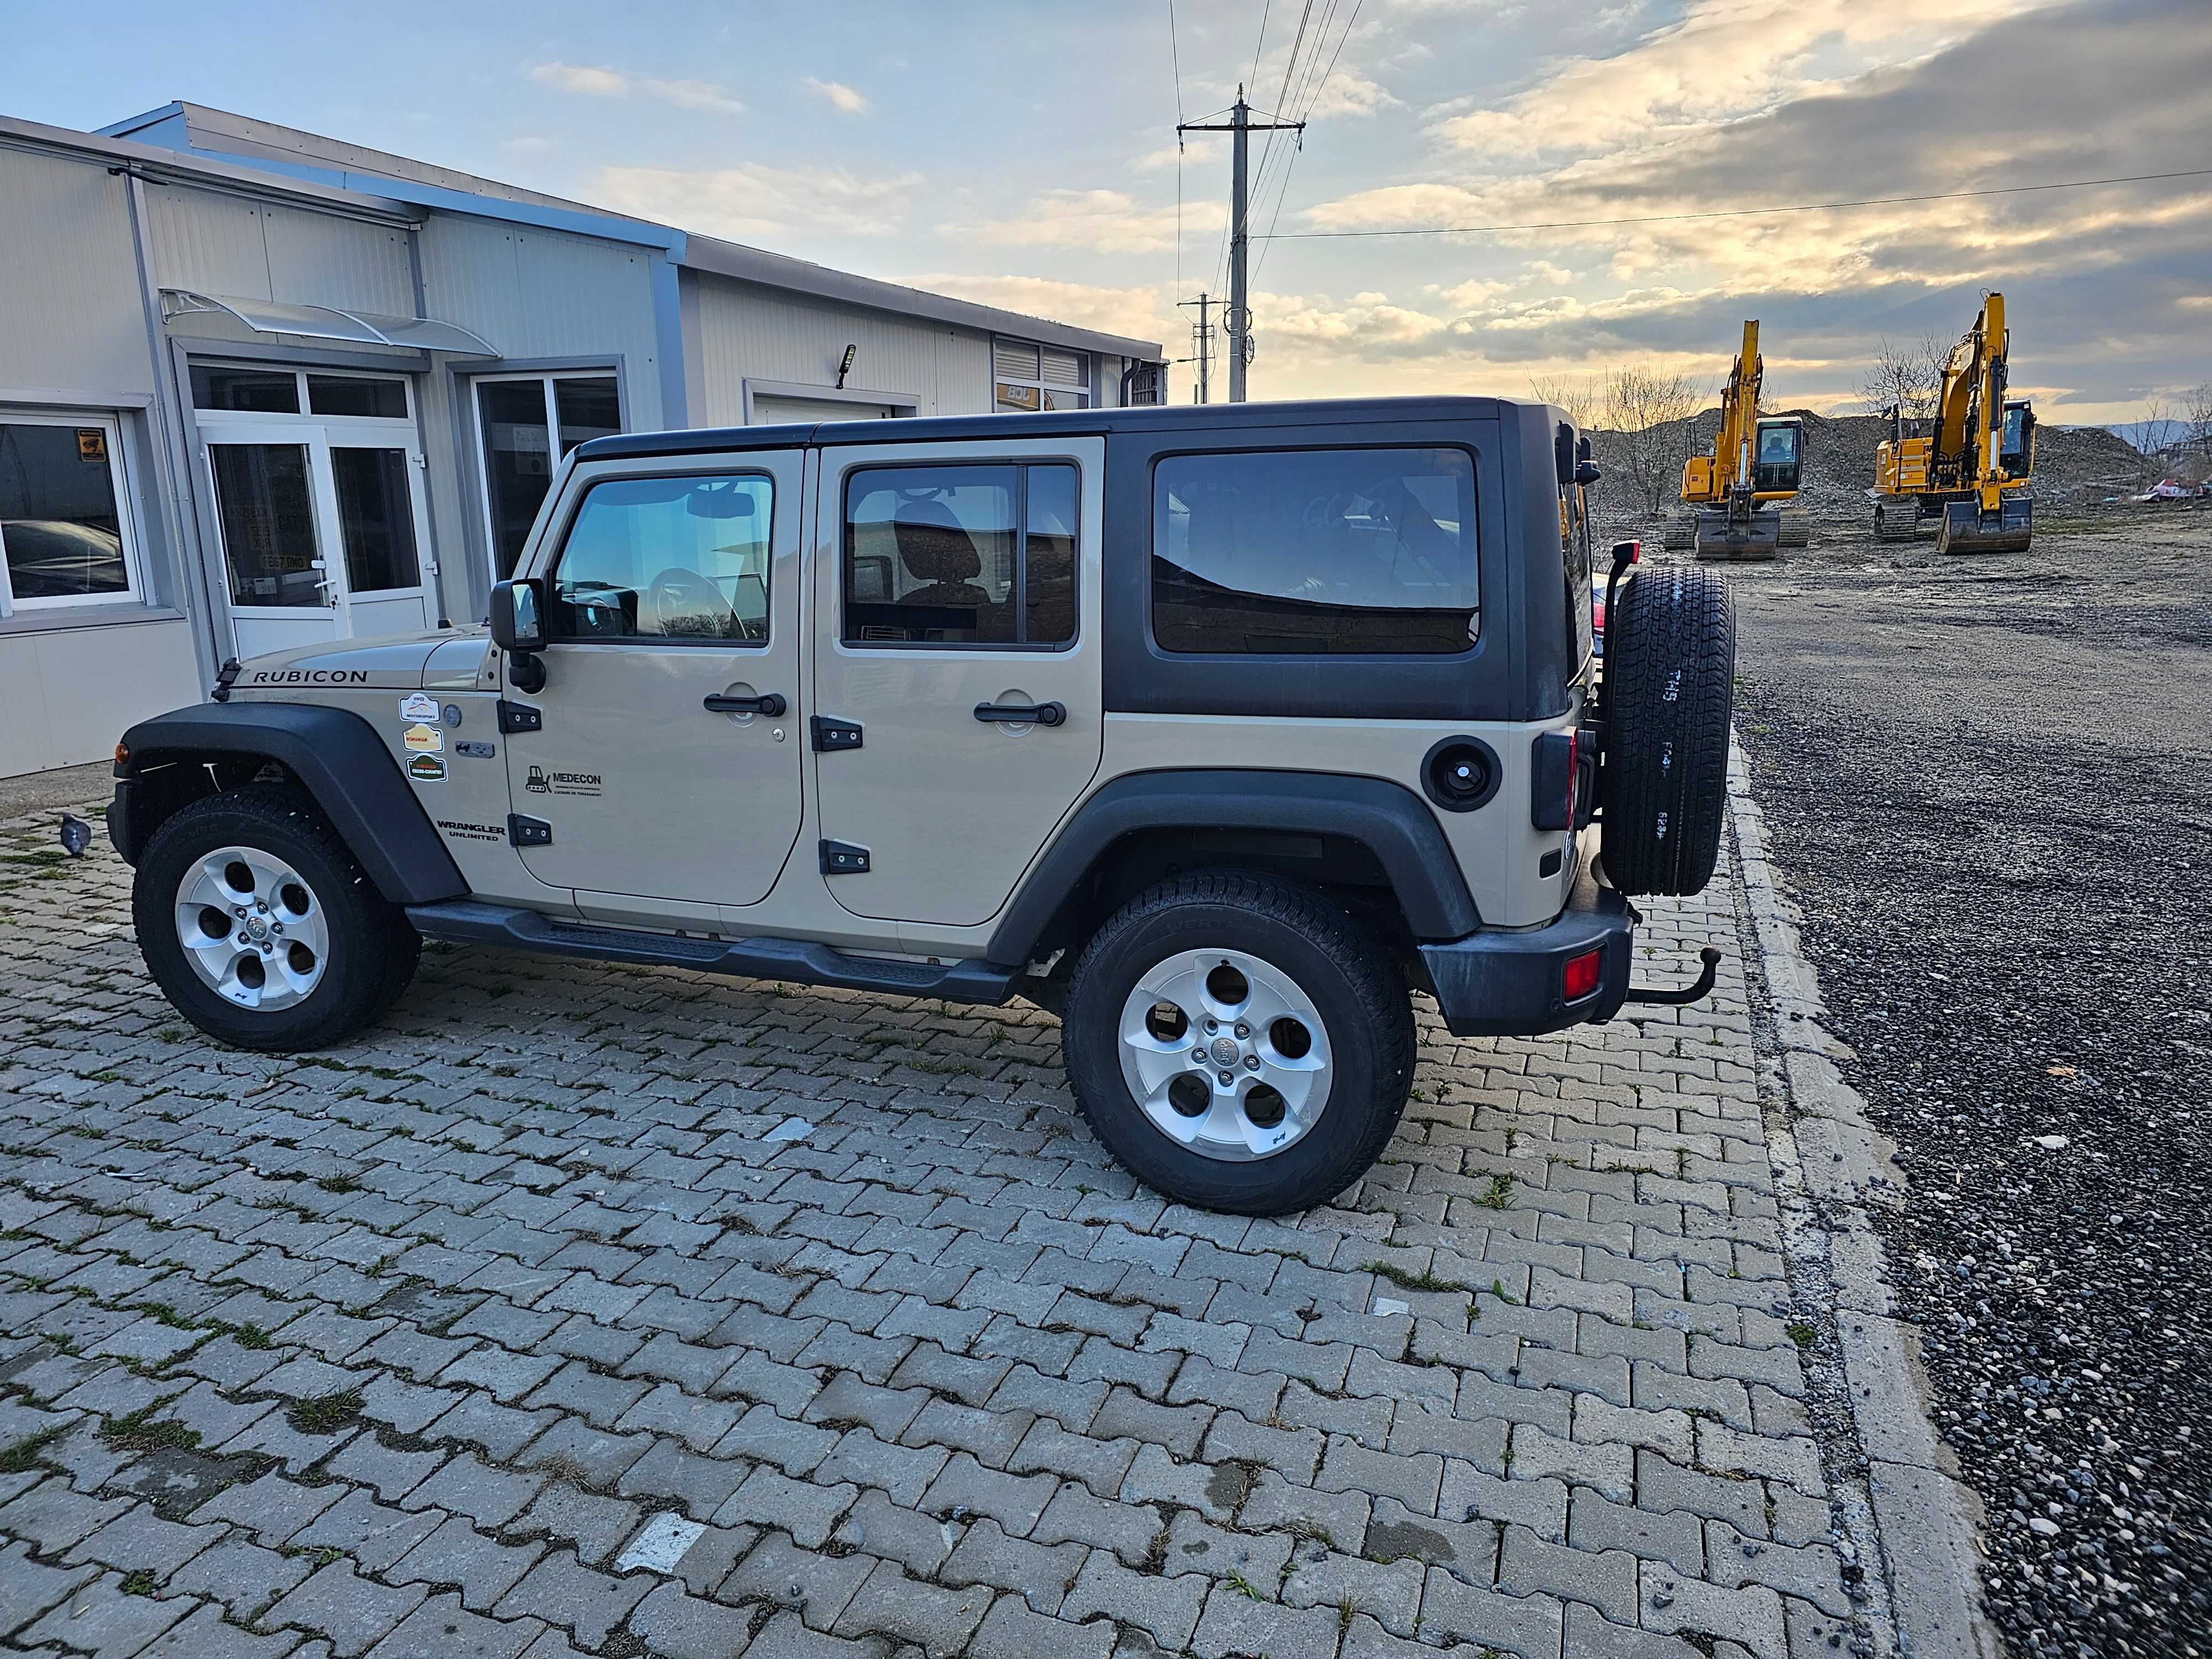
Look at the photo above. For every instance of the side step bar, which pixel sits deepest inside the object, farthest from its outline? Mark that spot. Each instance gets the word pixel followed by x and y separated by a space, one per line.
pixel 466 921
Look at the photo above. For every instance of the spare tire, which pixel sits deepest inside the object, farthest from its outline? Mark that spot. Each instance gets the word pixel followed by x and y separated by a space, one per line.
pixel 1670 691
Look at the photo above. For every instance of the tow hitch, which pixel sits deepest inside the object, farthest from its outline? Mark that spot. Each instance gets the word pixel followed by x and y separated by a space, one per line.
pixel 1709 956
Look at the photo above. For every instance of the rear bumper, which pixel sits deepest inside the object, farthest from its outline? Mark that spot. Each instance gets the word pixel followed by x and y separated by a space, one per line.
pixel 1497 983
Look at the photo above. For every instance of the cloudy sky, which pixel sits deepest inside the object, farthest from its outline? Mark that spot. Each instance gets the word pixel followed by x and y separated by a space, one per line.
pixel 1026 155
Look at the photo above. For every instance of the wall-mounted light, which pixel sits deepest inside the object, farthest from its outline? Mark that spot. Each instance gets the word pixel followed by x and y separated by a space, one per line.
pixel 846 367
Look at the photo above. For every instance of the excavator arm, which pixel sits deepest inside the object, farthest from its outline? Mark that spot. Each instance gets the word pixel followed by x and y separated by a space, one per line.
pixel 1751 462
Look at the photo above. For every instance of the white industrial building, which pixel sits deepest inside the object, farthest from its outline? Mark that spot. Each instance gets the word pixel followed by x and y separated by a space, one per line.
pixel 259 388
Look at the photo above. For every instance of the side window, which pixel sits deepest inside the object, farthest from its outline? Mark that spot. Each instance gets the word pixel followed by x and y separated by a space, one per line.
pixel 65 531
pixel 666 559
pixel 961 555
pixel 1316 552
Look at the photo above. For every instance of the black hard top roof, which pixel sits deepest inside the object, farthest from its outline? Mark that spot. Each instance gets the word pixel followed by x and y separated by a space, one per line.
pixel 1082 423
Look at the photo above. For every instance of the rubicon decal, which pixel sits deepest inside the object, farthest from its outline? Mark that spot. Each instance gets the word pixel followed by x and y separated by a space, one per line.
pixel 309 677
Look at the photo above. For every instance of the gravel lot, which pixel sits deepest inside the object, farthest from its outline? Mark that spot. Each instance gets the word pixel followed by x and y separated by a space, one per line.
pixel 1987 784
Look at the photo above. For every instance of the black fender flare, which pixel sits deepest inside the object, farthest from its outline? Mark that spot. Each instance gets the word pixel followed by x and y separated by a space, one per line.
pixel 1388 819
pixel 338 759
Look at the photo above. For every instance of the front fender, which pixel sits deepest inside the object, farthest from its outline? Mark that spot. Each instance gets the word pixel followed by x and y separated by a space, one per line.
pixel 334 753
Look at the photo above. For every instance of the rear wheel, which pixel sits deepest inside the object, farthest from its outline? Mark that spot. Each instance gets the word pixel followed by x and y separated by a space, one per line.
pixel 1239 1042
pixel 258 924
pixel 1670 691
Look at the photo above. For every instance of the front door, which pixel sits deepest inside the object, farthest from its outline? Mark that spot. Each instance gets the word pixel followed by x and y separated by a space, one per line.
pixel 957 628
pixel 319 514
pixel 656 770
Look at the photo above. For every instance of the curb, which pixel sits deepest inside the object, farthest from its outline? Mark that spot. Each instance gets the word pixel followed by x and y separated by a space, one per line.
pixel 1900 1491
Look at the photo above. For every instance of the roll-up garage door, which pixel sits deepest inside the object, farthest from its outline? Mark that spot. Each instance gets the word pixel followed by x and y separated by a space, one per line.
pixel 769 411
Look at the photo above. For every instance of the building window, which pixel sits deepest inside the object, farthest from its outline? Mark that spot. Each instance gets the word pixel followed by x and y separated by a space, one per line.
pixel 528 424
pixel 961 555
pixel 65 532
pixel 1029 378
pixel 1316 552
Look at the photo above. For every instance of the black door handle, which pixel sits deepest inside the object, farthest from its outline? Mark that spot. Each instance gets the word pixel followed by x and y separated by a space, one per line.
pixel 770 703
pixel 1022 713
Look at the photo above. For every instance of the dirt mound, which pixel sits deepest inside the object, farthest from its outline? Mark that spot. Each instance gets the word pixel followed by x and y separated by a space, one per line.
pixel 2077 464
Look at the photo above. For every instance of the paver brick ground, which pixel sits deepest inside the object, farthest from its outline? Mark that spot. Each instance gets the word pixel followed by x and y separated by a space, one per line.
pixel 393 1349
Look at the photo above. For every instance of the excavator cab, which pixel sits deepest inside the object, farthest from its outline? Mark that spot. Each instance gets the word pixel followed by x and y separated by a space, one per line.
pixel 1778 456
pixel 2016 448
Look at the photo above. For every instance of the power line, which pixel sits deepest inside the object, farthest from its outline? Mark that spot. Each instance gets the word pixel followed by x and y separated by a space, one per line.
pixel 1283 187
pixel 1735 213
pixel 1175 57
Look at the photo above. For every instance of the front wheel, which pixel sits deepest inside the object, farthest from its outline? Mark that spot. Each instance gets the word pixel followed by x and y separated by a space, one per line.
pixel 1239 1042
pixel 258 923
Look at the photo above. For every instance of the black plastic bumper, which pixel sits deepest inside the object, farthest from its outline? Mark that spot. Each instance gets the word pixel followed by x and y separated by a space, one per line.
pixel 1497 983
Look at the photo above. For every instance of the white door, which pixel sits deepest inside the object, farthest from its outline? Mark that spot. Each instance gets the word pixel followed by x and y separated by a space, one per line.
pixel 956 628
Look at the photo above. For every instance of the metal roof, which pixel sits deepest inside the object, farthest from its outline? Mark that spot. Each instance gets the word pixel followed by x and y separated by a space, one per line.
pixel 265 146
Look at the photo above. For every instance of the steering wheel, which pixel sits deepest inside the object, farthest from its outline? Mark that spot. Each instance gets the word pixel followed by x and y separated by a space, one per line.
pixel 683 603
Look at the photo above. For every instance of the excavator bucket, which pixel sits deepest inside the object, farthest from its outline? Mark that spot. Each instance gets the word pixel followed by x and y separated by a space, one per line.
pixel 1966 529
pixel 1758 536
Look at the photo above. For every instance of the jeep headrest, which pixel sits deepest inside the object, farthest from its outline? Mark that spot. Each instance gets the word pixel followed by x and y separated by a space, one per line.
pixel 931 545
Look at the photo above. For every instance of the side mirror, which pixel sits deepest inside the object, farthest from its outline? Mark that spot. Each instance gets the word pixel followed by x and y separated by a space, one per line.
pixel 518 615
pixel 1587 473
pixel 518 628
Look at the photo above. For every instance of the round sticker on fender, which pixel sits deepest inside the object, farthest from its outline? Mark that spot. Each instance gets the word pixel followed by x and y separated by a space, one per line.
pixel 427 769
pixel 423 739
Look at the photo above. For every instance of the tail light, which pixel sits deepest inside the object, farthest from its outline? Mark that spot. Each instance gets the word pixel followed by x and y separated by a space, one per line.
pixel 1582 976
pixel 1559 796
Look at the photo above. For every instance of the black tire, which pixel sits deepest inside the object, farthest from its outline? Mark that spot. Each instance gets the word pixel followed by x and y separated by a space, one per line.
pixel 371 951
pixel 1670 691
pixel 1337 963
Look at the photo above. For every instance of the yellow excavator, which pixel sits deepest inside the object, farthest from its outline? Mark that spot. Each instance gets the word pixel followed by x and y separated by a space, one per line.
pixel 1735 490
pixel 1970 473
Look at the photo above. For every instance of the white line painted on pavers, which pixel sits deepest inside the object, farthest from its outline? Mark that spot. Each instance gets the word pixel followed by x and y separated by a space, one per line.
pixel 1831 1165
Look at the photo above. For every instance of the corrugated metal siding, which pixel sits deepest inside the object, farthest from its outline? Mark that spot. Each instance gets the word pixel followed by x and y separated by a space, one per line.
pixel 206 241
pixel 318 258
pixel 749 333
pixel 540 294
pixel 68 280
pixel 222 244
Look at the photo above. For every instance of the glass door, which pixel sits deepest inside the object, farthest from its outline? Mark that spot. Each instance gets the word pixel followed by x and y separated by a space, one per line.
pixel 275 542
pixel 321 539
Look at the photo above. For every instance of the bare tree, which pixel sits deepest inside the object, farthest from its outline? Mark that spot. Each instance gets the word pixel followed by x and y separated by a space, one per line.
pixel 2197 414
pixel 2157 435
pixel 1908 376
pixel 1581 396
pixel 1651 412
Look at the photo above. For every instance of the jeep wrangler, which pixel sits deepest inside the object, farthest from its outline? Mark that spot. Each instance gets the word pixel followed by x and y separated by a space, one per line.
pixel 1216 732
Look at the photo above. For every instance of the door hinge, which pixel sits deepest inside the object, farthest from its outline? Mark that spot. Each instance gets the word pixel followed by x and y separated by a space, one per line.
pixel 528 832
pixel 831 734
pixel 841 859
pixel 520 717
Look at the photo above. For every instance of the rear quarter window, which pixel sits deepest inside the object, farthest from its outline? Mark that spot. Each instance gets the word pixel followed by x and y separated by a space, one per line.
pixel 1316 552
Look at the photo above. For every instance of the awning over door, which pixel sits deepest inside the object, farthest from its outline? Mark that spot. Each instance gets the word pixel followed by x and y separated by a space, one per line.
pixel 329 323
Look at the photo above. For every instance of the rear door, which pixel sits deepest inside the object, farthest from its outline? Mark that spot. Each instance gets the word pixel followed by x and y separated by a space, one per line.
pixel 667 589
pixel 957 666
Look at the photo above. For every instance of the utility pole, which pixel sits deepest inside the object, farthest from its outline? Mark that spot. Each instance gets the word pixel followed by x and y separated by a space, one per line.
pixel 1238 325
pixel 1203 331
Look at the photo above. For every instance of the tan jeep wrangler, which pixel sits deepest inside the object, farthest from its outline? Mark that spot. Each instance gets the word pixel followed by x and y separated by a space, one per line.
pixel 1218 732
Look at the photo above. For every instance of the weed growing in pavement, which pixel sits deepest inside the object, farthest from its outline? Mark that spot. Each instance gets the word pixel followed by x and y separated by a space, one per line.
pixel 325 1413
pixel 140 1432
pixel 339 1183
pixel 1426 1279
pixel 1501 1189
pixel 24 1456
pixel 1244 1586
pixel 139 1582
pixel 1802 1334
